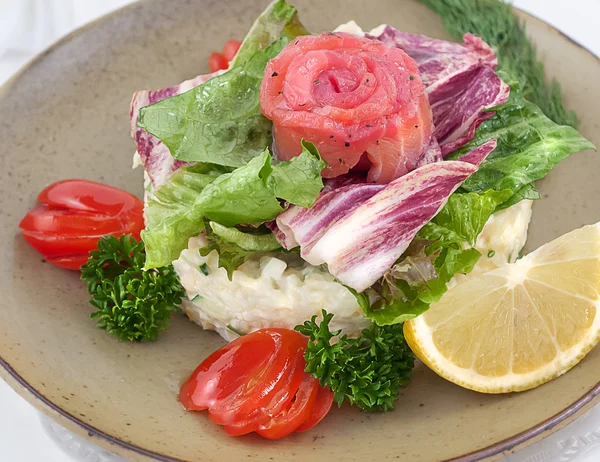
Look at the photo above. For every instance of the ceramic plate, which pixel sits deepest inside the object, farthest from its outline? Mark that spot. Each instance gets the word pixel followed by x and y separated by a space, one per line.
pixel 66 116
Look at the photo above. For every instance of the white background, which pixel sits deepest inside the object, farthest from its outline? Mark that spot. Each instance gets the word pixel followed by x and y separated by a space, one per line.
pixel 23 33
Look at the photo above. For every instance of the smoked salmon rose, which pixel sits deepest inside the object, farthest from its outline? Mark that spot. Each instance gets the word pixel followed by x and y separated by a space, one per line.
pixel 357 99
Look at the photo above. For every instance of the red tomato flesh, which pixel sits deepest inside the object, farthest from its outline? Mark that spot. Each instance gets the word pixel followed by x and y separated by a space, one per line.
pixel 226 370
pixel 323 403
pixel 268 392
pixel 297 413
pixel 89 196
pixel 217 62
pixel 257 384
pixel 49 220
pixel 230 49
pixel 74 215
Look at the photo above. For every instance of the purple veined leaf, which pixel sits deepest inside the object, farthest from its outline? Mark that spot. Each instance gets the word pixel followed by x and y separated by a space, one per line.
pixel 478 155
pixel 287 240
pixel 460 82
pixel 155 156
pixel 360 247
pixel 305 227
pixel 360 230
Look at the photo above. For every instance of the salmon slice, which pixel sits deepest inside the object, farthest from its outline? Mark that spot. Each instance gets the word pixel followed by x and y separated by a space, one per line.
pixel 350 96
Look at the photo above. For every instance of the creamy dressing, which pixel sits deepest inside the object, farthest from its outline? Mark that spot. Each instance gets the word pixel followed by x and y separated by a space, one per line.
pixel 264 292
pixel 503 236
pixel 352 28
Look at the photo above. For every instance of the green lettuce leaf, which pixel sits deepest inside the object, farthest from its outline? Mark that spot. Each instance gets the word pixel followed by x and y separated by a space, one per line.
pixel 463 217
pixel 219 121
pixel 529 146
pixel 242 196
pixel 235 246
pixel 279 18
pixel 251 194
pixel 527 192
pixel 441 249
pixel 248 194
pixel 252 239
pixel 170 218
pixel 299 181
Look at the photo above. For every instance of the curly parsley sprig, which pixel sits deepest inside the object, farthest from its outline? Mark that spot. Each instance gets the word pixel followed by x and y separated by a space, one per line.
pixel 368 371
pixel 132 304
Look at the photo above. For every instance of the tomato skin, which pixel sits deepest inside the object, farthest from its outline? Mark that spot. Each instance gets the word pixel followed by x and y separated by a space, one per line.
pixel 323 403
pixel 217 62
pixel 290 419
pixel 230 49
pixel 271 388
pixel 225 371
pixel 89 196
pixel 257 384
pixel 51 220
pixel 74 215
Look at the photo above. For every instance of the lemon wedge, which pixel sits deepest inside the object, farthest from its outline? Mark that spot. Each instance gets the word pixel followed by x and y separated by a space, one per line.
pixel 520 325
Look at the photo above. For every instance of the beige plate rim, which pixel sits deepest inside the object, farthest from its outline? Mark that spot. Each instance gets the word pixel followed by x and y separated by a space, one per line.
pixel 40 402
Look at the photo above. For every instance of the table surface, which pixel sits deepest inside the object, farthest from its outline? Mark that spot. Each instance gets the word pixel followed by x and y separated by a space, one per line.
pixel 23 435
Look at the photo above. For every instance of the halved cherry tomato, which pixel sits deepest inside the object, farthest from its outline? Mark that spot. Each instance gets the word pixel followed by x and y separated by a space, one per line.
pixel 89 196
pixel 268 392
pixel 217 62
pixel 74 215
pixel 257 383
pixel 322 406
pixel 300 408
pixel 226 370
pixel 230 49
pixel 279 402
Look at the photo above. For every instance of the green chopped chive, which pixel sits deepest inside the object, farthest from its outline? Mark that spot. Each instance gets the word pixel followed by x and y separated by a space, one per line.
pixel 234 330
pixel 491 253
pixel 196 297
pixel 411 77
pixel 205 269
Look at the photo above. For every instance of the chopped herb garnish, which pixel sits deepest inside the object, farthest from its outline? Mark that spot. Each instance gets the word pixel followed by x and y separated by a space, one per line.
pixel 205 269
pixel 491 253
pixel 234 330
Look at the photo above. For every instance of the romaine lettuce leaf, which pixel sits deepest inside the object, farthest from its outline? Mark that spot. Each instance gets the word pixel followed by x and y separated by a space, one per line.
pixel 235 246
pixel 298 180
pixel 279 18
pixel 170 221
pixel 529 146
pixel 447 241
pixel 251 194
pixel 219 121
pixel 253 240
pixel 248 194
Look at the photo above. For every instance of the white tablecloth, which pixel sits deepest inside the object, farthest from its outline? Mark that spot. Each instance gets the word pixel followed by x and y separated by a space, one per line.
pixel 23 436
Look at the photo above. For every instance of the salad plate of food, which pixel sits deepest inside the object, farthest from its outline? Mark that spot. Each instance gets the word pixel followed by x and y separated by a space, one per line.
pixel 368 234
